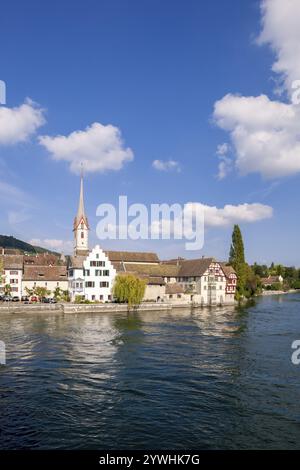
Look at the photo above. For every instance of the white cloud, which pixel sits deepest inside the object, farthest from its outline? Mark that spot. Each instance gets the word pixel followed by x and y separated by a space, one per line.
pixel 20 123
pixel 53 244
pixel 230 214
pixel 280 30
pixel 265 133
pixel 214 216
pixel 98 147
pixel 166 165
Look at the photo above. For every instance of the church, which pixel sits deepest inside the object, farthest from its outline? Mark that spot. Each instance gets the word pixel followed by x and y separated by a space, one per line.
pixel 91 272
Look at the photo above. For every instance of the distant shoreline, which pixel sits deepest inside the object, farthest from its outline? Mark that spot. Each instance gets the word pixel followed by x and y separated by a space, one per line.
pixel 278 292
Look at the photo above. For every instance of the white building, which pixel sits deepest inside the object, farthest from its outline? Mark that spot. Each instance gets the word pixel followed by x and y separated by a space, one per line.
pixel 12 274
pixel 91 276
pixel 49 277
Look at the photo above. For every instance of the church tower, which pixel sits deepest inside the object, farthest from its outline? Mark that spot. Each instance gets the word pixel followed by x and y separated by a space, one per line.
pixel 81 226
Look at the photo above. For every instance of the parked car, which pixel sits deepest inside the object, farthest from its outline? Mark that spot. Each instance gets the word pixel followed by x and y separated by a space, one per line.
pixel 25 298
pixel 1 298
pixel 49 300
pixel 15 298
pixel 7 298
pixel 34 298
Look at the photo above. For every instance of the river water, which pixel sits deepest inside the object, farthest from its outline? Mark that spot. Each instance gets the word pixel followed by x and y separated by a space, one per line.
pixel 207 379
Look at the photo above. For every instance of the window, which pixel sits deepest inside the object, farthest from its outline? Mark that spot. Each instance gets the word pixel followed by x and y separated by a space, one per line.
pixel 86 272
pixel 90 284
pixel 101 297
pixel 98 272
pixel 104 284
pixel 109 297
pixel 97 263
pixel 14 281
pixel 97 255
pixel 82 235
pixel 82 226
pixel 71 273
pixel 13 273
pixel 106 272
pixel 93 297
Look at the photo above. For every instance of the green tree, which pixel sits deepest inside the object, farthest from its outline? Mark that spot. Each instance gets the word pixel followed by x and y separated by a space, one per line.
pixel 129 289
pixel 7 289
pixel 237 260
pixel 41 292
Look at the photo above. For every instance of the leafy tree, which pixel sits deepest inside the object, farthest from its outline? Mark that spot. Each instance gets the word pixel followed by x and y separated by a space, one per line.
pixel 41 291
pixel 7 289
pixel 129 289
pixel 28 291
pixel 60 294
pixel 252 282
pixel 237 260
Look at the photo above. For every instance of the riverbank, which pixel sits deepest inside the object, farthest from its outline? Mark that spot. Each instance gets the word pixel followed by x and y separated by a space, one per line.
pixel 97 308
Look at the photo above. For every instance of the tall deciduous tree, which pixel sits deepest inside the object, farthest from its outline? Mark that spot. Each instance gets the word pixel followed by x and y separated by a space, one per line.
pixel 129 289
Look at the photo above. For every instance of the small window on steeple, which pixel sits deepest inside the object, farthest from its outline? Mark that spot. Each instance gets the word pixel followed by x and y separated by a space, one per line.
pixel 82 235
pixel 82 226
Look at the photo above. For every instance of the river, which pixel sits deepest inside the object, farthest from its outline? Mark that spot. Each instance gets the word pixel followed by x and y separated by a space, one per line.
pixel 207 379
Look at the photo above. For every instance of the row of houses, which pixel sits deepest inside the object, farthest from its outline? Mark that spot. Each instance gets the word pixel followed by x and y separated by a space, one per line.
pixel 91 276
pixel 90 273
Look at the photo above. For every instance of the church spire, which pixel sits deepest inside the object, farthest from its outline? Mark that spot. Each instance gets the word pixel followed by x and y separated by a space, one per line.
pixel 81 212
pixel 81 217
pixel 81 224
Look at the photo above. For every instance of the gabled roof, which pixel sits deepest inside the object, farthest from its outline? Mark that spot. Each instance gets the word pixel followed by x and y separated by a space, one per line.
pixel 152 269
pixel 132 256
pixel 194 267
pixel 45 273
pixel 227 269
pixel 12 261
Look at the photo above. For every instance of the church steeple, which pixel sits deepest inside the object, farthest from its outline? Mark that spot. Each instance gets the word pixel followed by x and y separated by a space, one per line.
pixel 81 225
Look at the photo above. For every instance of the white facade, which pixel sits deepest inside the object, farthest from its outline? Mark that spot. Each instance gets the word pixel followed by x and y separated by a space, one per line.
pixel 94 280
pixel 13 278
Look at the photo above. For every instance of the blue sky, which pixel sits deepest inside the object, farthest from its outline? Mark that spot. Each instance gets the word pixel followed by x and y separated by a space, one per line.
pixel 154 70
